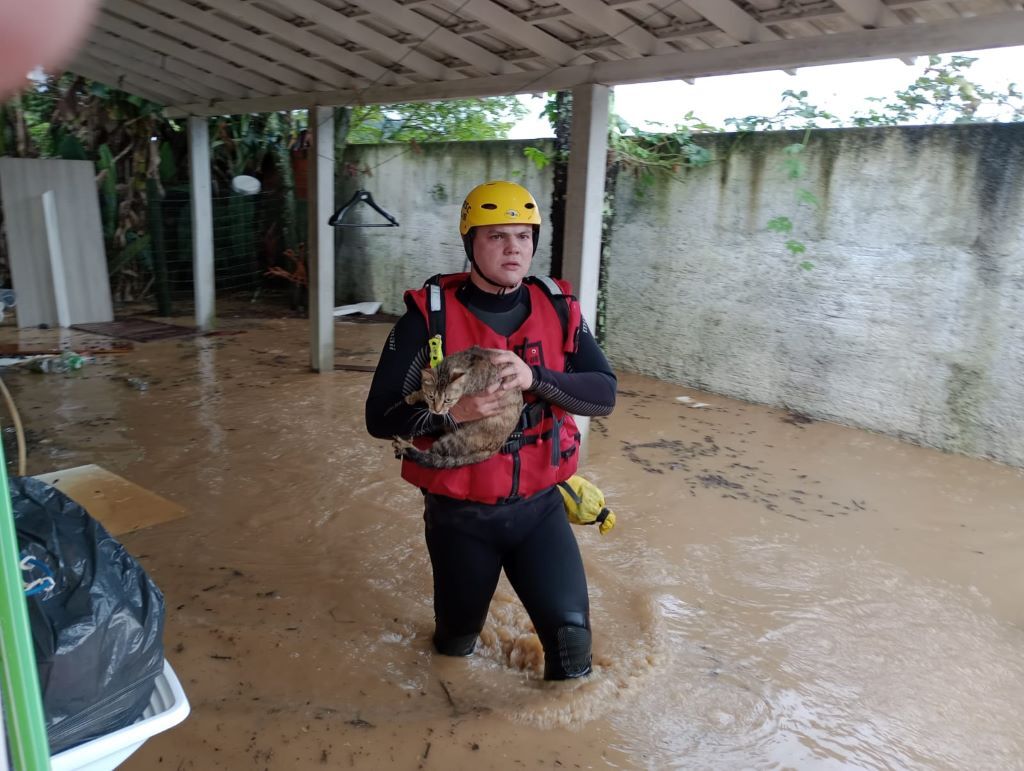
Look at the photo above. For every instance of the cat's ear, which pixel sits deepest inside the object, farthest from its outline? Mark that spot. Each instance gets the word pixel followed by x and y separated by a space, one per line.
pixel 456 374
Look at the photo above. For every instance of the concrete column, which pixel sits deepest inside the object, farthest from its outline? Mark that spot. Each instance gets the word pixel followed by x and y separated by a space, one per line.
pixel 584 204
pixel 321 238
pixel 202 221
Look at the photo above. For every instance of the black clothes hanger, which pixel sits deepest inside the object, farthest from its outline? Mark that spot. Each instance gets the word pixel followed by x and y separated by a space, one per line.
pixel 365 197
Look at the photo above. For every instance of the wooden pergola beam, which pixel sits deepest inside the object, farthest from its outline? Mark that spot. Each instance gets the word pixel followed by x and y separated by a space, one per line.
pixel 617 26
pixel 175 68
pixel 253 81
pixel 524 33
pixel 249 14
pixel 991 31
pixel 224 49
pixel 456 45
pixel 350 29
pixel 732 20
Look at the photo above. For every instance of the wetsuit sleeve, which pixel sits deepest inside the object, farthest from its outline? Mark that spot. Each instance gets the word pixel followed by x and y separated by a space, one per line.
pixel 405 354
pixel 588 385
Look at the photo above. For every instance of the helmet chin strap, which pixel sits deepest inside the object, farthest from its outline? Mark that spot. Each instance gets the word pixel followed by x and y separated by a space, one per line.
pixel 501 287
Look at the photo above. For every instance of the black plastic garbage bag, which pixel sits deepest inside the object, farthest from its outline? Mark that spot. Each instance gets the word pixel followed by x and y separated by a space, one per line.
pixel 97 619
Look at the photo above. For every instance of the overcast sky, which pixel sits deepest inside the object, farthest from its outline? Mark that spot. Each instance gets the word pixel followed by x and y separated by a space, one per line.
pixel 838 88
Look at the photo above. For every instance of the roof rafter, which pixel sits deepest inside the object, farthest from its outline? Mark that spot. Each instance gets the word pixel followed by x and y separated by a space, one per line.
pixel 350 29
pixel 617 25
pixel 871 14
pixel 732 20
pixel 171 47
pixel 989 31
pixel 288 65
pixel 524 33
pixel 457 45
pixel 247 13
pixel 171 65
pixel 206 42
pixel 116 57
pixel 102 72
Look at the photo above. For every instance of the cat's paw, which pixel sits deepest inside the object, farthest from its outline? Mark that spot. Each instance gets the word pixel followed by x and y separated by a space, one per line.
pixel 400 445
pixel 414 397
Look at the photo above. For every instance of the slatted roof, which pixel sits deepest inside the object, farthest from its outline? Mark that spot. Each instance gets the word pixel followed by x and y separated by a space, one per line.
pixel 226 56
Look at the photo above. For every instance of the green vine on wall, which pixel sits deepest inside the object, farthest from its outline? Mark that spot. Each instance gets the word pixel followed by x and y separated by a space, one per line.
pixel 941 94
pixel 646 155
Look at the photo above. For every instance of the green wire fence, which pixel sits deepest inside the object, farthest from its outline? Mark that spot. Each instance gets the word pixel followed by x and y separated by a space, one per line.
pixel 251 234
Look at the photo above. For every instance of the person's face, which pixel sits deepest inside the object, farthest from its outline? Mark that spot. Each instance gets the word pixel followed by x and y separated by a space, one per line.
pixel 504 254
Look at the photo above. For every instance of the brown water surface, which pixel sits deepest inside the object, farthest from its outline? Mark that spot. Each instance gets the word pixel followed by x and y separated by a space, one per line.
pixel 777 594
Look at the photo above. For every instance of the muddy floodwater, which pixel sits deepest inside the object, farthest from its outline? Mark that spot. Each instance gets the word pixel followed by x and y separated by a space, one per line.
pixel 778 593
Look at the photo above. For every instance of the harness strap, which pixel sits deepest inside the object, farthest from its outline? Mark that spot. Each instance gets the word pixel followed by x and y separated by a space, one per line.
pixel 559 300
pixel 551 285
pixel 517 441
pixel 435 309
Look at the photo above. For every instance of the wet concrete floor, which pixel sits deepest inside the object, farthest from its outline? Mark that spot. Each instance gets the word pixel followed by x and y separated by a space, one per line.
pixel 777 594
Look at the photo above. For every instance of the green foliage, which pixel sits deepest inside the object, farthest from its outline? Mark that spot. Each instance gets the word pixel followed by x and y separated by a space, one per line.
pixel 238 144
pixel 796 112
pixel 168 165
pixel 40 136
pixel 107 179
pixel 70 147
pixel 289 215
pixel 803 195
pixel 794 167
pixel 943 94
pixel 6 129
pixel 538 156
pixel 455 120
pixel 795 247
pixel 649 155
pixel 137 246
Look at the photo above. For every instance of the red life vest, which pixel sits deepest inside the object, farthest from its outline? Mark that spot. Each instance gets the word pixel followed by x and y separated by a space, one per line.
pixel 543 450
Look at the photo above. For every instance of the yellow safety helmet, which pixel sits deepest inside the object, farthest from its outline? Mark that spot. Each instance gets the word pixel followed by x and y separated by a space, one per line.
pixel 498 203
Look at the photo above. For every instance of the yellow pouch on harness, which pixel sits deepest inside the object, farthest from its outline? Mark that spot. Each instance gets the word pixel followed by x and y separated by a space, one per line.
pixel 584 504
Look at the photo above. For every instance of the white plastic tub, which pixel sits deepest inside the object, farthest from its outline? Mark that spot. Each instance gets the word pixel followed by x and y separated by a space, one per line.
pixel 168 706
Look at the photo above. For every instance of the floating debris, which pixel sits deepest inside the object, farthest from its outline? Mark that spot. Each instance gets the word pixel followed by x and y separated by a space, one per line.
pixel 693 404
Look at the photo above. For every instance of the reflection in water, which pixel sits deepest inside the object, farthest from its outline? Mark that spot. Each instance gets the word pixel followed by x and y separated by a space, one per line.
pixel 774 595
pixel 207 408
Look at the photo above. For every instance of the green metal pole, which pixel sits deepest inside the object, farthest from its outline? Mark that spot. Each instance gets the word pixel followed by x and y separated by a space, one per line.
pixel 23 706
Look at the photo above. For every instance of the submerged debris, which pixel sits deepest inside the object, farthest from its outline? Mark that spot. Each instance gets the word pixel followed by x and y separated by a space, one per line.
pixel 795 418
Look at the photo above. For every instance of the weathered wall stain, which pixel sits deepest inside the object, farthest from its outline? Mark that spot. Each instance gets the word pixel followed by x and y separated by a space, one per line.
pixel 906 325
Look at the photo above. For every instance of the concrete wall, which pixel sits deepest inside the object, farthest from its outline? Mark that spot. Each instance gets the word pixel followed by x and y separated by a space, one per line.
pixel 910 322
pixel 423 188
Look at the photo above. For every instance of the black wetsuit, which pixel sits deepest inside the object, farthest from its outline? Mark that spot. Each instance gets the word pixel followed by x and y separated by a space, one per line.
pixel 470 542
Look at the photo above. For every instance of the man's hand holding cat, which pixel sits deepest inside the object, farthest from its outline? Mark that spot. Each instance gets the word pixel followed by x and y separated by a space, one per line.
pixel 515 373
pixel 483 404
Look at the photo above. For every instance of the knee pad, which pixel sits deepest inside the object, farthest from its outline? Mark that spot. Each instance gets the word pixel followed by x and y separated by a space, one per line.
pixel 572 657
pixel 454 645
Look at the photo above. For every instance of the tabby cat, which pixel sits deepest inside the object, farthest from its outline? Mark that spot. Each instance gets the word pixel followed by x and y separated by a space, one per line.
pixel 466 372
